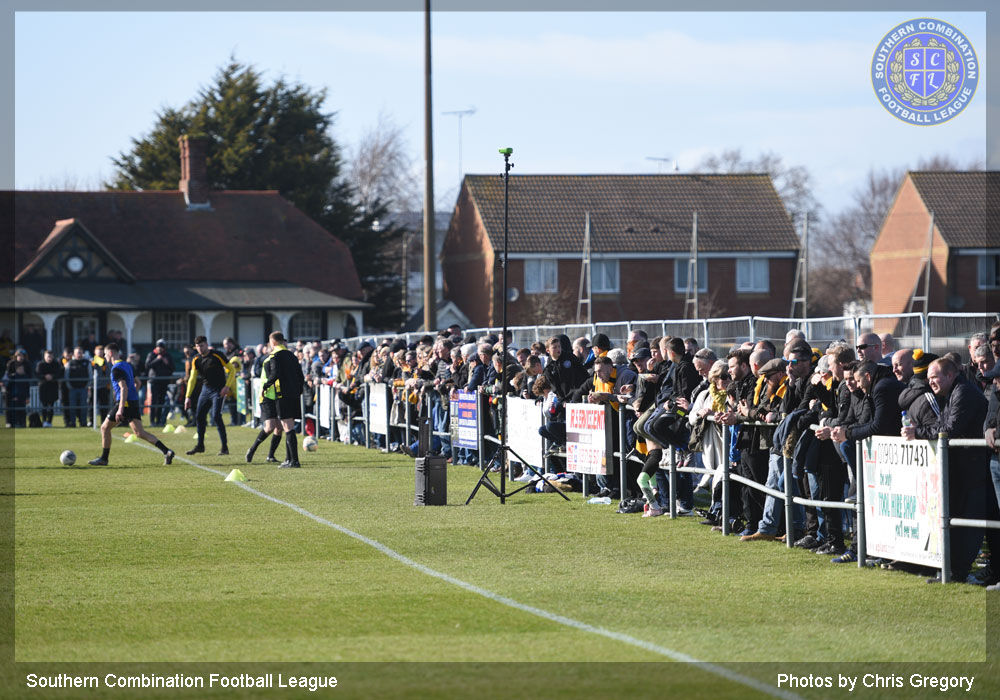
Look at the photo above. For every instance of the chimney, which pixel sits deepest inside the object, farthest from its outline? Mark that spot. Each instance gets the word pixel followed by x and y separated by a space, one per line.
pixel 194 171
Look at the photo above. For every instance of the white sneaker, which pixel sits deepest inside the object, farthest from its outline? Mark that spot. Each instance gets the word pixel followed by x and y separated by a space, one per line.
pixel 681 511
pixel 993 587
pixel 46 424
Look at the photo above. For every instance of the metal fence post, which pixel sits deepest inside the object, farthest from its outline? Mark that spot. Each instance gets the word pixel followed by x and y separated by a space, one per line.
pixel 96 418
pixel 786 467
pixel 480 442
pixel 750 320
pixel 859 505
pixel 942 446
pixel 368 427
pixel 673 481
pixel 621 447
pixel 726 445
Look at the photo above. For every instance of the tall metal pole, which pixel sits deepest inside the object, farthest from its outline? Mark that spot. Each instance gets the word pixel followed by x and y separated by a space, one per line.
pixel 430 250
pixel 503 338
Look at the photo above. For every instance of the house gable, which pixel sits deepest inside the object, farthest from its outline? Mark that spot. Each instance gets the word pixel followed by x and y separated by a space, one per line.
pixel 71 252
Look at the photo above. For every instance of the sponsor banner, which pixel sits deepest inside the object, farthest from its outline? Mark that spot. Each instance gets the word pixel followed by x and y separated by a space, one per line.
pixel 902 500
pixel 378 409
pixel 463 420
pixel 585 439
pixel 524 418
pixel 241 396
pixel 323 405
pixel 256 383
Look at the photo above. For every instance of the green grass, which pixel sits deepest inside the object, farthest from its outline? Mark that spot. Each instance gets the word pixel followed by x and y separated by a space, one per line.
pixel 137 562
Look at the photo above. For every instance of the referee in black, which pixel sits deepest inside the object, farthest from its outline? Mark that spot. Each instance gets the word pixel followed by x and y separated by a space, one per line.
pixel 214 371
pixel 285 373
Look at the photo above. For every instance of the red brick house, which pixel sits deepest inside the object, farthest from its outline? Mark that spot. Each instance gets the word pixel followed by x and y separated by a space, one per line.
pixel 174 264
pixel 640 246
pixel 965 252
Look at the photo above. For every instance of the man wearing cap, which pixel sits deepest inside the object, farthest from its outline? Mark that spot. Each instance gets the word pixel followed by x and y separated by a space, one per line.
pixel 159 368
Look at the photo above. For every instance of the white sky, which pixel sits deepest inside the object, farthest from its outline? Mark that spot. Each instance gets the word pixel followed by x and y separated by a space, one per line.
pixel 570 92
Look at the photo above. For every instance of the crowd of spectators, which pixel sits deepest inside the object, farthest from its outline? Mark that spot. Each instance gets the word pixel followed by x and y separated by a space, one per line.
pixel 811 405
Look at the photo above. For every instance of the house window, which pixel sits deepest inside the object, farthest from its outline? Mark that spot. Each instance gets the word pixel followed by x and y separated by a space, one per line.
pixel 540 276
pixel 681 275
pixel 989 271
pixel 752 275
pixel 307 325
pixel 604 276
pixel 173 327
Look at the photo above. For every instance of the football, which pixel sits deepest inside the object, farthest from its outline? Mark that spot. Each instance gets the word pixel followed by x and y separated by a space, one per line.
pixel 310 444
pixel 68 458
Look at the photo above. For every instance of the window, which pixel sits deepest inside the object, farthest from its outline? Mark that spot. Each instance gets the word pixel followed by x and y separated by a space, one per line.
pixel 604 275
pixel 540 276
pixel 173 327
pixel 752 275
pixel 307 325
pixel 989 271
pixel 681 275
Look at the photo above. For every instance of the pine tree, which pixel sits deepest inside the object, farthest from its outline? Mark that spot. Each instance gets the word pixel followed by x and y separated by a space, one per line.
pixel 273 137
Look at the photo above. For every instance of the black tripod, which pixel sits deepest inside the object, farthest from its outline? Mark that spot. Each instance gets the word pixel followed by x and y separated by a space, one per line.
pixel 501 457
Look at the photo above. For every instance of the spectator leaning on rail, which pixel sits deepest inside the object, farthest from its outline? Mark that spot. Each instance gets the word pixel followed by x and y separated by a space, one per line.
pixel 917 399
pixel 741 389
pixel 881 415
pixel 829 404
pixel 991 428
pixel 963 415
pixel 17 382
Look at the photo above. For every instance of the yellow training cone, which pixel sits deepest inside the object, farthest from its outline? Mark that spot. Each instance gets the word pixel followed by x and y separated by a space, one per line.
pixel 236 475
pixel 130 438
pixel 180 429
pixel 168 428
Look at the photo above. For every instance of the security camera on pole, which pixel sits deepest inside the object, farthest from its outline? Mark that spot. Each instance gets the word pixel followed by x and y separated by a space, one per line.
pixel 501 457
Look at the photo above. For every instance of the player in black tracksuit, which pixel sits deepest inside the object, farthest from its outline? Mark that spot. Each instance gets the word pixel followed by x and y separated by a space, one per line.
pixel 214 371
pixel 285 373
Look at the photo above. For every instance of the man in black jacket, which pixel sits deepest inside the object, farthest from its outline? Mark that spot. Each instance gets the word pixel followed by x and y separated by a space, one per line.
pixel 285 373
pixel 880 415
pixel 963 415
pixel 159 367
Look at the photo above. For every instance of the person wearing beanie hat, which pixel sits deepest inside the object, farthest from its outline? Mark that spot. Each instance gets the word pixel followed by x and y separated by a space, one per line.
pixel 916 399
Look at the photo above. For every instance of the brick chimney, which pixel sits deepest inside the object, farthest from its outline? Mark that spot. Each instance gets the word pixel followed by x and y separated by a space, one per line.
pixel 194 171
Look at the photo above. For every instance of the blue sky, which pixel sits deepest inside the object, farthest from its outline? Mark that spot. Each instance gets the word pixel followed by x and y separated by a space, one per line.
pixel 571 92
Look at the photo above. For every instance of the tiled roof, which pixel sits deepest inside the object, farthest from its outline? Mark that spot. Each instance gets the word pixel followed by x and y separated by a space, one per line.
pixel 245 236
pixel 634 213
pixel 966 206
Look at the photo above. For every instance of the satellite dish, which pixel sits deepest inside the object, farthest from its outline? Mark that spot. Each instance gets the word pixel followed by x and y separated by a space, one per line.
pixel 513 293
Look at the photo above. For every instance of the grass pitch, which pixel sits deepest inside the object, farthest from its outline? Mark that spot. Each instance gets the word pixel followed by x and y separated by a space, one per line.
pixel 138 562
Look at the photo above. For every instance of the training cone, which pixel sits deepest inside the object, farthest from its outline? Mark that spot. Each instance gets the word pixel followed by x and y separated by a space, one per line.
pixel 126 435
pixel 168 428
pixel 180 429
pixel 130 438
pixel 236 475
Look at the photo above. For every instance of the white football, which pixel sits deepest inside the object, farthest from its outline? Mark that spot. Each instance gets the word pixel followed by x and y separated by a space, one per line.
pixel 68 458
pixel 310 444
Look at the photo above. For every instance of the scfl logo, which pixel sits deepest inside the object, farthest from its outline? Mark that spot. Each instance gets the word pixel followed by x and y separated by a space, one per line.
pixel 925 71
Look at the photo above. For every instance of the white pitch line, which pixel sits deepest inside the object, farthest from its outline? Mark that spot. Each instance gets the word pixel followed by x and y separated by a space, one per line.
pixel 509 602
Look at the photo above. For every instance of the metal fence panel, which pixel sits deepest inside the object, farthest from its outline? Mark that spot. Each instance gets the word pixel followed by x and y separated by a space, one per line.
pixel 951 332
pixel 908 329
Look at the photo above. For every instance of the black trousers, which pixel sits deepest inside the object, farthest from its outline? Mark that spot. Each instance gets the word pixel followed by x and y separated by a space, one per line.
pixel 833 478
pixel 210 399
pixel 753 465
pixel 158 391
